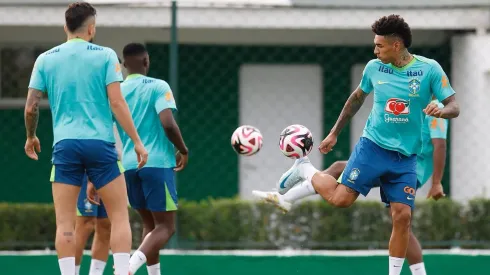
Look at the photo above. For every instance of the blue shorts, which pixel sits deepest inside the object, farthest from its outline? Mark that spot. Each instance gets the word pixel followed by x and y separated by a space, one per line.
pixel 370 164
pixel 74 158
pixel 152 189
pixel 85 208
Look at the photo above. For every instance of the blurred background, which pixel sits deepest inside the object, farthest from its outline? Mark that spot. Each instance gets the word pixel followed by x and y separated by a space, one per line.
pixel 270 64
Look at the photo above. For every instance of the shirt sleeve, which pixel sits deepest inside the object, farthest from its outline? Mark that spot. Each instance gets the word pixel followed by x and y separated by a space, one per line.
pixel 366 84
pixel 113 69
pixel 439 83
pixel 37 80
pixel 438 127
pixel 164 98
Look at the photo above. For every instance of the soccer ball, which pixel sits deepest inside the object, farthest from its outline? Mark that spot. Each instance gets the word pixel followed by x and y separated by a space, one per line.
pixel 246 140
pixel 296 141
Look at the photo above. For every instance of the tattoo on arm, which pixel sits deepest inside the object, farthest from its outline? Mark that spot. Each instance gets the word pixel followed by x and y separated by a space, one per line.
pixel 68 234
pixel 353 104
pixel 31 113
pixel 350 190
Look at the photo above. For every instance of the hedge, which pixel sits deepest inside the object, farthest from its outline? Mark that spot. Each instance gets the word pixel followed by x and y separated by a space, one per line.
pixel 236 224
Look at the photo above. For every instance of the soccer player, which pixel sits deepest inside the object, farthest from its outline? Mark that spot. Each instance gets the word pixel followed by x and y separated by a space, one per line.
pixel 430 162
pixel 403 85
pixel 82 81
pixel 151 190
pixel 92 216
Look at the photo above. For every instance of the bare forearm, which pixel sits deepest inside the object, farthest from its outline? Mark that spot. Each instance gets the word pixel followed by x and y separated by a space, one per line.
pixel 31 112
pixel 351 107
pixel 123 116
pixel 451 108
pixel 175 136
pixel 439 159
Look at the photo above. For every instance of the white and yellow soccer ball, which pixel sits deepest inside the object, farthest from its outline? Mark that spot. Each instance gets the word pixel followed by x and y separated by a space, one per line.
pixel 295 141
pixel 246 140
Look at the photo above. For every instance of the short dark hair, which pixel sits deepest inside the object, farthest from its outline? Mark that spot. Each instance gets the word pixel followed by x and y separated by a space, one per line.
pixel 134 49
pixel 77 13
pixel 393 25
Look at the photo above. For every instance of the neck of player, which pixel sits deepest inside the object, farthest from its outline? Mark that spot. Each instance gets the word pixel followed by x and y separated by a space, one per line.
pixel 78 36
pixel 141 71
pixel 404 58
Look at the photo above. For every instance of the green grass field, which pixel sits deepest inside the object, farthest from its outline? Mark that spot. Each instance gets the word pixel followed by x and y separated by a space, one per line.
pixel 252 262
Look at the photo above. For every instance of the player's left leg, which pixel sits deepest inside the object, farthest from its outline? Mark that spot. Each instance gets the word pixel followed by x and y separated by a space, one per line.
pixel 160 192
pixel 414 250
pixel 101 242
pixel 399 186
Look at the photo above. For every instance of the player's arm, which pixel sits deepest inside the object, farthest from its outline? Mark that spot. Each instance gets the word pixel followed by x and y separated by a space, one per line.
pixel 172 130
pixel 442 90
pixel 120 108
pixel 165 106
pixel 438 135
pixel 121 111
pixel 351 107
pixel 439 159
pixel 451 108
pixel 31 111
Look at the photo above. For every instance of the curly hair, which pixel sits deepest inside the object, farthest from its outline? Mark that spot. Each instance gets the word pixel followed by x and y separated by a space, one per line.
pixel 76 15
pixel 393 25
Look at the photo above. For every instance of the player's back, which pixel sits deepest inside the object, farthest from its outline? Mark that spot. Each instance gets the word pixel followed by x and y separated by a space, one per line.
pixel 75 75
pixel 146 98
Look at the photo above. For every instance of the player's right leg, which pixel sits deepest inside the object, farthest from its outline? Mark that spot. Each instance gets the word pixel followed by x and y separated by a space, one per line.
pixel 105 172
pixel 66 177
pixel 303 180
pixel 160 199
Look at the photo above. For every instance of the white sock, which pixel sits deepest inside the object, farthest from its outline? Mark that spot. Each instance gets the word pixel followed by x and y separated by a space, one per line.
pixel 396 265
pixel 137 260
pixel 67 265
pixel 96 267
pixel 121 263
pixel 300 191
pixel 154 269
pixel 418 269
pixel 77 270
pixel 308 170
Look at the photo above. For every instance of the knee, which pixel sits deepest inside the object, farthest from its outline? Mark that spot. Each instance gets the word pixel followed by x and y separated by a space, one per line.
pixel 401 215
pixel 103 227
pixel 167 226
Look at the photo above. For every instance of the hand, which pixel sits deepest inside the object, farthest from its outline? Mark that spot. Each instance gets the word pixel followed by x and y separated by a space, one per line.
pixel 92 195
pixel 141 154
pixel 181 161
pixel 433 110
pixel 32 146
pixel 328 143
pixel 436 191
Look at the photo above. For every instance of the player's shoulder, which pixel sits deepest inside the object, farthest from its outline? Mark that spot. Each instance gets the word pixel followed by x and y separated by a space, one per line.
pixel 158 84
pixel 427 61
pixel 101 50
pixel 53 51
pixel 374 63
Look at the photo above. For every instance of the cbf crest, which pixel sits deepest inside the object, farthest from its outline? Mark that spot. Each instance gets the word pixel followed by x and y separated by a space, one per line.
pixel 354 174
pixel 414 87
pixel 88 206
